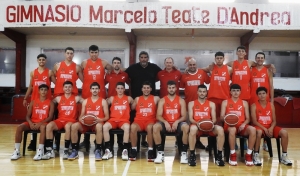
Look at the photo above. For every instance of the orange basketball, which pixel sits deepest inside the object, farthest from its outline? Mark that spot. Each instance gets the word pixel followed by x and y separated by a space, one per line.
pixel 205 125
pixel 89 119
pixel 231 119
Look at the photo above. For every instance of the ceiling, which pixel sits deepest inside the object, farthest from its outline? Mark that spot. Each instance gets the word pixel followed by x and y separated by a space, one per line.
pixel 171 32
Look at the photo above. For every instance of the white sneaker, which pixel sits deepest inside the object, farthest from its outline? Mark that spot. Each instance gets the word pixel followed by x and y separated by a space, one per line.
pixel 284 160
pixel 265 146
pixel 107 154
pixel 48 155
pixel 16 155
pixel 38 155
pixel 159 158
pixel 125 155
pixel 66 155
pixel 184 158
pixel 256 159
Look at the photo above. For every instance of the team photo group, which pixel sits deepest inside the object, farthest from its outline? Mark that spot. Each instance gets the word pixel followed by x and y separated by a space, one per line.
pixel 222 99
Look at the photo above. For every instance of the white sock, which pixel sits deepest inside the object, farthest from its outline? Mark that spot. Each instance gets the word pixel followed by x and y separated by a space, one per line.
pixel 41 146
pixel 17 146
pixel 284 154
pixel 249 152
pixel 150 148
pixel 232 151
pixel 134 148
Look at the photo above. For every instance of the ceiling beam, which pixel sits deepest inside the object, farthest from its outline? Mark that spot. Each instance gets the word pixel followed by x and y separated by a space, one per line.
pixel 132 45
pixel 248 37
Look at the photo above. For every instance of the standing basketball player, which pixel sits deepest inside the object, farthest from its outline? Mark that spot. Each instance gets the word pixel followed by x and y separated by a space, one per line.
pixel 67 115
pixel 171 116
pixel 119 118
pixel 235 105
pixel 97 106
pixel 144 120
pixel 39 76
pixel 40 112
pixel 264 118
pixel 203 109
pixel 67 70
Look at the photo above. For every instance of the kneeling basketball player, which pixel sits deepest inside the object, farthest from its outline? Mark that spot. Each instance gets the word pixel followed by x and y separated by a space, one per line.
pixel 235 105
pixel 201 109
pixel 264 119
pixel 40 112
pixel 98 107
pixel 171 116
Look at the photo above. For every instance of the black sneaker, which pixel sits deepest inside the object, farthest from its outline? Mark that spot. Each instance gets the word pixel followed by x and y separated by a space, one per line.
pixel 192 160
pixel 207 148
pixel 120 145
pixel 132 155
pixel 199 145
pixel 31 146
pixel 220 162
pixel 151 156
pixel 144 144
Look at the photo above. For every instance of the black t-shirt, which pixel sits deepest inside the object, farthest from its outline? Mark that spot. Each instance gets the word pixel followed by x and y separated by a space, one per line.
pixel 138 75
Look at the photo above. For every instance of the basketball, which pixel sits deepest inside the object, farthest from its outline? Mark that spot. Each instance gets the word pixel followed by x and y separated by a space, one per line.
pixel 231 119
pixel 205 125
pixel 89 119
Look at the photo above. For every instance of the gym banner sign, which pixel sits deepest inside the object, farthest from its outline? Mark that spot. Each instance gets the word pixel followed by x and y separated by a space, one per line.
pixel 149 15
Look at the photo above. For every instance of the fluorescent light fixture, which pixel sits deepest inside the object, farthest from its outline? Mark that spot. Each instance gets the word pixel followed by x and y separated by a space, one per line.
pixel 285 1
pixel 200 1
pixel 94 0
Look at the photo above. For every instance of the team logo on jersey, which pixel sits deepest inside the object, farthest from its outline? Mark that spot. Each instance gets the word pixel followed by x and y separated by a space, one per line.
pixel 88 106
pixel 62 70
pixel 123 77
pixel 230 105
pixel 236 67
pixel 199 76
pixel 259 112
pixel 149 105
pixel 197 107
pixel 71 71
pixel 263 75
pixel 254 73
pixel 175 105
pixel 268 112
pixel 216 72
pixel 124 101
pixel 116 102
pixel 176 76
pixel 37 105
pixel 45 106
pixel 141 104
pixel 63 102
pixel 90 67
pixel 98 67
pixel 44 78
pixel 36 77
pixel 245 67
pixel 240 107
pixel 223 73
pixel 167 105
pixel 71 102
pixel 206 108
pixel 98 107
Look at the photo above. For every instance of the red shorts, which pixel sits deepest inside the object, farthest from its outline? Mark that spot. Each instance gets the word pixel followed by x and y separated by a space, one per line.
pixel 276 131
pixel 218 103
pixel 88 128
pixel 61 123
pixel 143 124
pixel 27 124
pixel 116 125
pixel 237 129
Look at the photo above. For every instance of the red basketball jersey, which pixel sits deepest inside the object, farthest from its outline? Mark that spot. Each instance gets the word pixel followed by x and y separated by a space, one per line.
pixel 120 109
pixel 93 72
pixel 40 110
pixel 259 78
pixel 241 76
pixel 113 78
pixel 38 79
pixel 201 111
pixel 171 109
pixel 164 76
pixel 264 115
pixel 95 108
pixel 191 82
pixel 67 109
pixel 236 108
pixel 145 109
pixel 66 73
pixel 219 83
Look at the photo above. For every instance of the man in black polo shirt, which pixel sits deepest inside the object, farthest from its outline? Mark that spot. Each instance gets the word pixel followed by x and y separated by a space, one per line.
pixel 139 73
